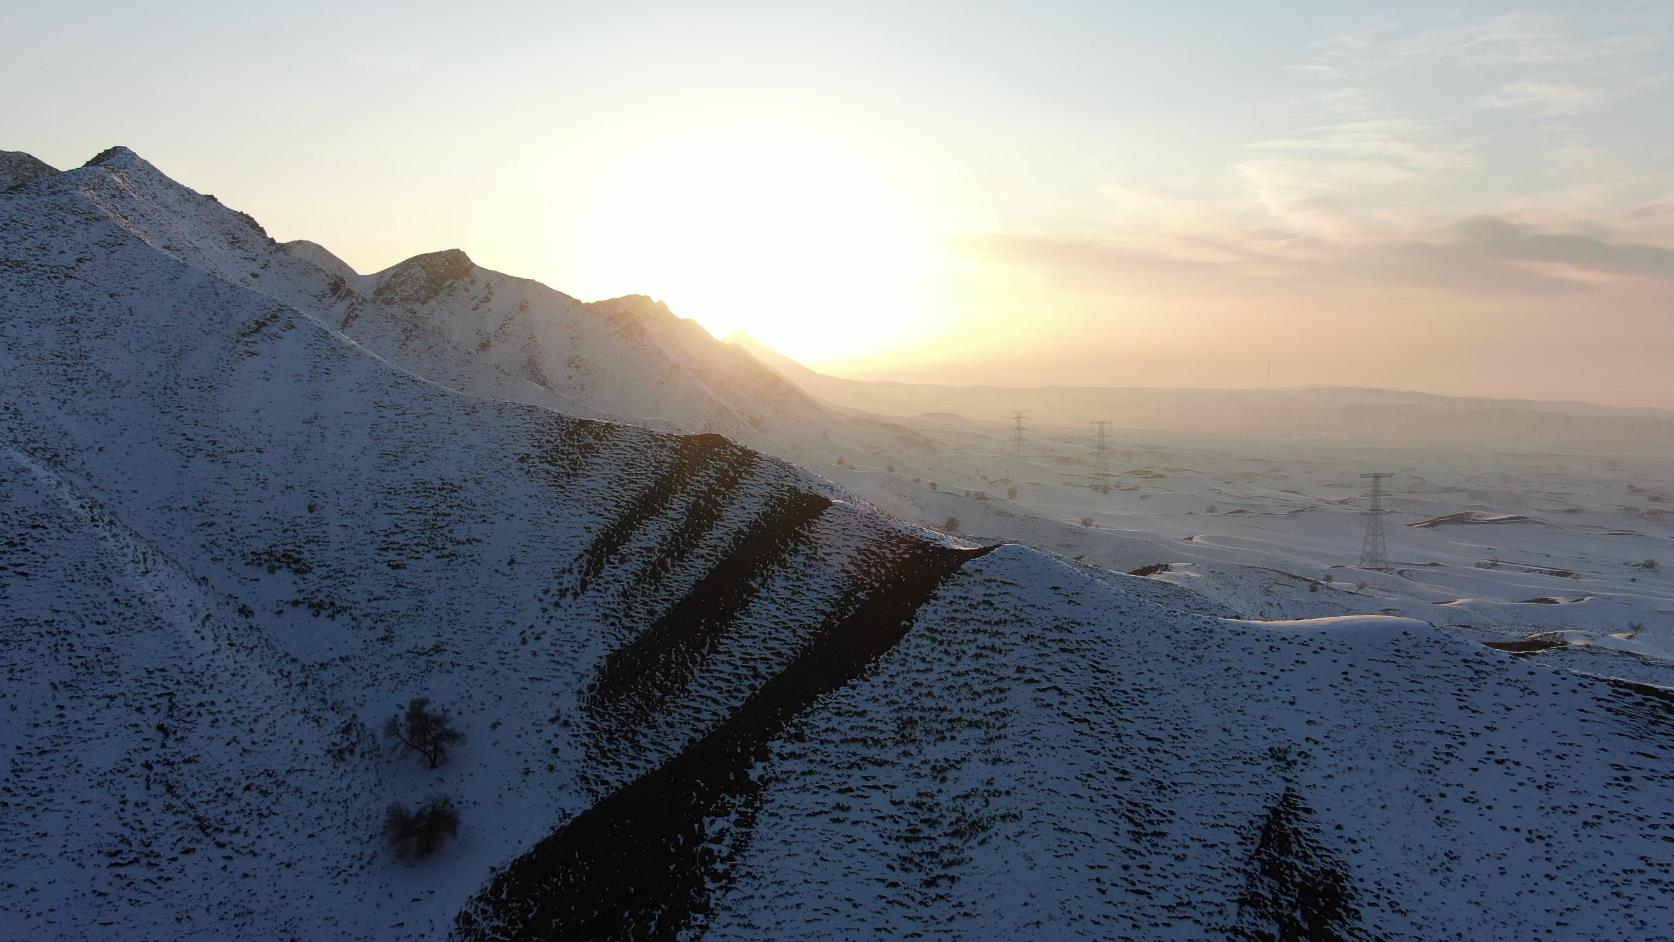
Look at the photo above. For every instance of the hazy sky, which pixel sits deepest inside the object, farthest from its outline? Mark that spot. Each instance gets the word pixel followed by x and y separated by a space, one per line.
pixel 1455 197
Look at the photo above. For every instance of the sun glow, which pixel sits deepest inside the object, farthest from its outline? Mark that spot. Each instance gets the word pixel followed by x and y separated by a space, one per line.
pixel 811 248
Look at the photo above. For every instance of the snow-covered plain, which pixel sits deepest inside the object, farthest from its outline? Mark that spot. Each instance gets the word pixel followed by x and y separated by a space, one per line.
pixel 1500 544
pixel 253 501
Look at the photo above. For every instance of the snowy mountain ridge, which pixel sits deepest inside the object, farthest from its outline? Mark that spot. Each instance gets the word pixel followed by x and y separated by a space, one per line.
pixel 250 509
pixel 480 331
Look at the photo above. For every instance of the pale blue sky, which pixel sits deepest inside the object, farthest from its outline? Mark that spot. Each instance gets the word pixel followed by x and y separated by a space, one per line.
pixel 1472 198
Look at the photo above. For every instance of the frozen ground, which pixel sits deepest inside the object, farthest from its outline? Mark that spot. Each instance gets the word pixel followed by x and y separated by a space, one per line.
pixel 1502 544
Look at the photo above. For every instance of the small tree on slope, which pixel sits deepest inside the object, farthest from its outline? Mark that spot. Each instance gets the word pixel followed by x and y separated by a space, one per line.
pixel 424 731
pixel 420 832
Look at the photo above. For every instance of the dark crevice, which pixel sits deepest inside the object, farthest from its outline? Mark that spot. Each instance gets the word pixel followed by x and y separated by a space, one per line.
pixel 644 673
pixel 703 512
pixel 693 457
pixel 643 861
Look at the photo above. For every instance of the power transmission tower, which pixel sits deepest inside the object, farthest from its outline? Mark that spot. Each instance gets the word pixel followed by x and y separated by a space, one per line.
pixel 1373 554
pixel 1101 460
pixel 1017 433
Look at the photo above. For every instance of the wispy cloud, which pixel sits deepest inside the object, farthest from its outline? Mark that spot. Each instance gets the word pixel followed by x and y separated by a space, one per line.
pixel 1538 79
pixel 1464 162
pixel 1517 39
pixel 1498 238
pixel 1480 256
pixel 1314 178
pixel 1544 98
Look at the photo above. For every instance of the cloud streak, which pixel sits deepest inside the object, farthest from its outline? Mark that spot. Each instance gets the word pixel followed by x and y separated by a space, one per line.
pixel 1484 256
pixel 1495 193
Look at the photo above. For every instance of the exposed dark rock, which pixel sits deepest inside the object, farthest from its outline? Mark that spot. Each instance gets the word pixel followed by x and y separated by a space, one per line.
pixel 18 168
pixel 1296 891
pixel 423 277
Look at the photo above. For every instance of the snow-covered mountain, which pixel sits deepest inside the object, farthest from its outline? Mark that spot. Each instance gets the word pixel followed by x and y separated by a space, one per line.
pixel 483 332
pixel 253 502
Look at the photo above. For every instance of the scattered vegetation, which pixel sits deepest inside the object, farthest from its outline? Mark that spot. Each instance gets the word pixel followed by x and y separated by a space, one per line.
pixel 1086 521
pixel 275 558
pixel 419 833
pixel 951 524
pixel 424 731
pixel 261 323
pixel 1150 570
pixel 1297 889
pixel 1011 493
pixel 1284 759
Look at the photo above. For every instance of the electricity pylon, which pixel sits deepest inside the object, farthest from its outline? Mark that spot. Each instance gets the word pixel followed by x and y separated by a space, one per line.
pixel 1017 433
pixel 1101 460
pixel 1374 555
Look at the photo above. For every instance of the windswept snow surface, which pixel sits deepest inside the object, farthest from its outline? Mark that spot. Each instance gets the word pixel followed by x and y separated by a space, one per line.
pixel 237 532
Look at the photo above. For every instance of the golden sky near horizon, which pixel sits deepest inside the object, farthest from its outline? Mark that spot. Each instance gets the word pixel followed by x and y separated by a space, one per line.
pixel 1468 199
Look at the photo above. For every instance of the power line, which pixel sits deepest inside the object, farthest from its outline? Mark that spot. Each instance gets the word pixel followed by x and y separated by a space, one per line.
pixel 1017 433
pixel 1374 555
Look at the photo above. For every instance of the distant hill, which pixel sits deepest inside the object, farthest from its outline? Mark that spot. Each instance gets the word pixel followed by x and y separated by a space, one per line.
pixel 1342 413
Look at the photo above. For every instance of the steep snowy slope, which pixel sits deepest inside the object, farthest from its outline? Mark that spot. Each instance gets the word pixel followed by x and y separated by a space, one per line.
pixel 1044 755
pixel 704 692
pixel 241 541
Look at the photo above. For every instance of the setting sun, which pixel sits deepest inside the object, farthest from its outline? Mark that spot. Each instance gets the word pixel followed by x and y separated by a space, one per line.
pixel 807 245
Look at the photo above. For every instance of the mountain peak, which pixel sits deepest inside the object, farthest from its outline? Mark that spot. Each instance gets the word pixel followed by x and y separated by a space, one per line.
pixel 636 303
pixel 743 338
pixel 124 159
pixel 321 257
pixel 118 157
pixel 423 277
pixel 18 168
